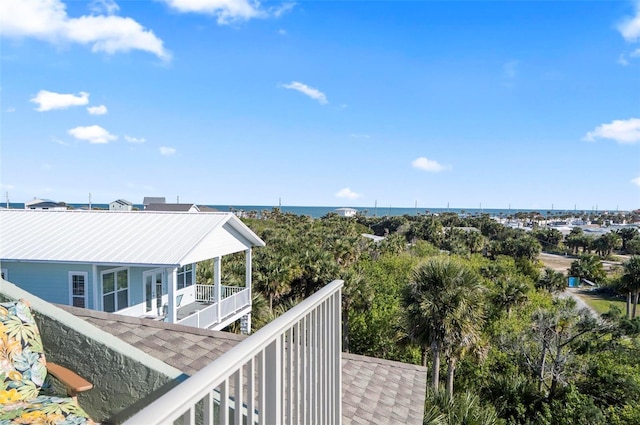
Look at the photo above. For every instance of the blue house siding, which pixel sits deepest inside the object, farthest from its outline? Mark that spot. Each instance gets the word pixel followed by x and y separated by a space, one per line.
pixel 49 281
pixel 136 289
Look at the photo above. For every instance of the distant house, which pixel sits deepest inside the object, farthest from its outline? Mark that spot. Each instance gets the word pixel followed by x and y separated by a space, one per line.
pixel 346 212
pixel 152 200
pixel 45 204
pixel 173 207
pixel 131 263
pixel 120 205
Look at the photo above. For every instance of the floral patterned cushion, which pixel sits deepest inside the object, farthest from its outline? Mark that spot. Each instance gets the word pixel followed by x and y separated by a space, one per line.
pixel 23 371
pixel 43 410
pixel 22 361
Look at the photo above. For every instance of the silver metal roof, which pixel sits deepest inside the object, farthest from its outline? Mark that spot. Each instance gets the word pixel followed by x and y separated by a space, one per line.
pixel 121 237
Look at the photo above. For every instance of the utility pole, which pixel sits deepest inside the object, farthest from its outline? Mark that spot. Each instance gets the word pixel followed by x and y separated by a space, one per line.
pixel 89 201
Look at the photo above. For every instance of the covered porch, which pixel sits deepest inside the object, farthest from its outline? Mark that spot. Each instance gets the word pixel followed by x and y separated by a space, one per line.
pixel 206 312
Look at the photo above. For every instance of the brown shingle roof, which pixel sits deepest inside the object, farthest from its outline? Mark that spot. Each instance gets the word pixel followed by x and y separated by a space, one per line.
pixel 374 391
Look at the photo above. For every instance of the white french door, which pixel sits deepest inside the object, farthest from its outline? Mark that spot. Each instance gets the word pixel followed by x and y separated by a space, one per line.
pixel 153 291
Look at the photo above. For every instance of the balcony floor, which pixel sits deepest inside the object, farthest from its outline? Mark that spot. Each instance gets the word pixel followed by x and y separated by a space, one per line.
pixel 191 308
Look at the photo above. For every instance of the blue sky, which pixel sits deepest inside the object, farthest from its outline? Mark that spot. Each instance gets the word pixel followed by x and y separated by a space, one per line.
pixel 527 104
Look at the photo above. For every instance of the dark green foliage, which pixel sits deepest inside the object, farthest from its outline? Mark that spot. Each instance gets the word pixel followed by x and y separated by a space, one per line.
pixel 531 359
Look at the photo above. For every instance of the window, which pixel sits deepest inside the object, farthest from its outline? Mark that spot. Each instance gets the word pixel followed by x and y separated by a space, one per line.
pixel 185 276
pixel 115 290
pixel 78 289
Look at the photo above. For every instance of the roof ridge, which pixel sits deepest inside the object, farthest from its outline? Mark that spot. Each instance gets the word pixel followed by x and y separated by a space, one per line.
pixel 377 360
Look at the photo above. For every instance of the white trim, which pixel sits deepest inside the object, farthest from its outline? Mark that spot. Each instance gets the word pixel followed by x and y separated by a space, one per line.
pixel 85 275
pixel 115 288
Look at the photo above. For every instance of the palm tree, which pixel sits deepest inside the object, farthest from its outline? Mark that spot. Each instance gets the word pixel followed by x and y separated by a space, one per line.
pixel 552 281
pixel 588 267
pixel 626 234
pixel 357 295
pixel 442 311
pixel 631 282
pixel 510 292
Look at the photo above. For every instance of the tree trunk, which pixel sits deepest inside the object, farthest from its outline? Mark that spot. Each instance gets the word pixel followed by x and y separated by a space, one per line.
pixel 450 372
pixel 423 355
pixel 629 305
pixel 435 349
pixel 541 364
pixel 636 295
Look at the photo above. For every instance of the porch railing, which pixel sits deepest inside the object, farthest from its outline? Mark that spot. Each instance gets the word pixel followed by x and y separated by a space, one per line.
pixel 206 293
pixel 204 318
pixel 290 371
pixel 234 300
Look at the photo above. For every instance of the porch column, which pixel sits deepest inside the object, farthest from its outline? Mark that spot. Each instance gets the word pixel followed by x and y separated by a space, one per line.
pixel 217 286
pixel 247 278
pixel 245 321
pixel 173 311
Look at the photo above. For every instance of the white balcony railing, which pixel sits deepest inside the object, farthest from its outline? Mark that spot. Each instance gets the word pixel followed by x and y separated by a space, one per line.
pixel 234 300
pixel 206 293
pixel 290 371
pixel 227 291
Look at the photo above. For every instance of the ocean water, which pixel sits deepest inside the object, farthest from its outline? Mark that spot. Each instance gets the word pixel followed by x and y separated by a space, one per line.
pixel 317 212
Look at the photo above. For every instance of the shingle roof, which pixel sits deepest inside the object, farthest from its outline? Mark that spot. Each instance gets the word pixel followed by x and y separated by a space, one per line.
pixel 374 391
pixel 153 200
pixel 125 237
pixel 170 207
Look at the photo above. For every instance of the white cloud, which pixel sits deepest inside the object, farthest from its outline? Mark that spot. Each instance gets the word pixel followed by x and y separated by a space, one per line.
pixel 131 139
pixel 228 11
pixel 58 141
pixel 93 134
pixel 306 90
pixel 167 151
pixel 104 6
pixel 48 100
pixel 10 109
pixel 47 20
pixel 347 194
pixel 636 181
pixel 97 110
pixel 282 32
pixel 622 60
pixel 280 10
pixel 427 164
pixel 629 27
pixel 225 10
pixel 622 131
